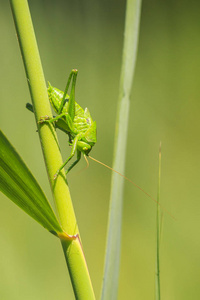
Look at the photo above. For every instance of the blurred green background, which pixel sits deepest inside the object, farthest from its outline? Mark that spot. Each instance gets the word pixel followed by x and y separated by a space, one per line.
pixel 165 107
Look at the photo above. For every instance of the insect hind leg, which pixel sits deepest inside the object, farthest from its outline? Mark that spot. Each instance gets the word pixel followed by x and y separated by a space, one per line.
pixel 75 162
pixel 74 149
pixel 72 77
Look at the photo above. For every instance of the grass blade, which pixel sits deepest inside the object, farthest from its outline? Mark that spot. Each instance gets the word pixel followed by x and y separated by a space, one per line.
pixel 18 184
pixel 158 231
pixel 112 259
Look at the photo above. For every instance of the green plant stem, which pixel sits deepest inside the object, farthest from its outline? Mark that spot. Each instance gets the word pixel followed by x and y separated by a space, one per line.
pixel 112 259
pixel 72 249
pixel 158 225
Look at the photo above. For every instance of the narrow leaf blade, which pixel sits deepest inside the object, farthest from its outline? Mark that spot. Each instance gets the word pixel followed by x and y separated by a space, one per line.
pixel 112 257
pixel 158 232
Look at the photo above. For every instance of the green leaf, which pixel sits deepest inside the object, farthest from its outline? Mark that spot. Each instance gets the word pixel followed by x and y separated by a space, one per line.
pixel 18 184
pixel 112 258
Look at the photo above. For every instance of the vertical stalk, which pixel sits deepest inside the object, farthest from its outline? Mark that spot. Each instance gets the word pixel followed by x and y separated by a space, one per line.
pixel 112 259
pixel 158 226
pixel 72 249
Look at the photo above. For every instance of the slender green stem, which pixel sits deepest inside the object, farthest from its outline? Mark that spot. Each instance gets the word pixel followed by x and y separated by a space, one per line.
pixel 112 259
pixel 157 281
pixel 72 249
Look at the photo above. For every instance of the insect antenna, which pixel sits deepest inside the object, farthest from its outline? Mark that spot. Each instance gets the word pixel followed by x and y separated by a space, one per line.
pixel 99 162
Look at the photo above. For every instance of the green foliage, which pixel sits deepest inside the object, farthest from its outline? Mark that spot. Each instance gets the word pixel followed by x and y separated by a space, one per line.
pixel 18 184
pixel 113 249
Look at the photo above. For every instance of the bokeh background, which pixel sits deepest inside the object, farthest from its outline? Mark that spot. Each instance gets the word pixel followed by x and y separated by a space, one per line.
pixel 165 107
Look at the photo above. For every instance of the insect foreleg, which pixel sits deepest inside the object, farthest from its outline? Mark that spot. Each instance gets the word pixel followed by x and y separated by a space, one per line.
pixel 51 120
pixel 74 148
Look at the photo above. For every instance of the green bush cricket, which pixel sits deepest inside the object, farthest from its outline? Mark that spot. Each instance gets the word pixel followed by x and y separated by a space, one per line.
pixel 77 123
pixel 72 119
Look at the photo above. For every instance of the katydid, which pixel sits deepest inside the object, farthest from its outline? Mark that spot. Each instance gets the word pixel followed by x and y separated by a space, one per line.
pixel 73 120
pixel 76 122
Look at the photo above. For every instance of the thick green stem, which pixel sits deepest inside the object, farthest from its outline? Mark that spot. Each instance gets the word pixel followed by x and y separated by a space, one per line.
pixel 35 77
pixel 112 260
